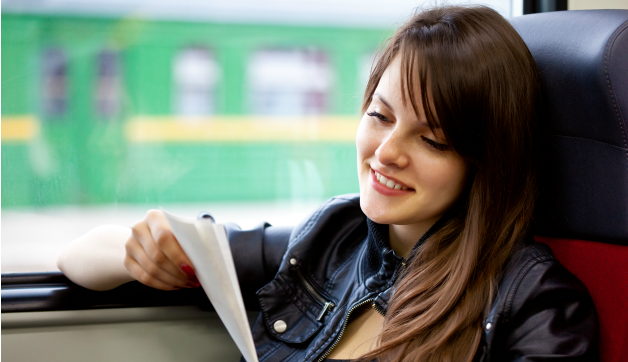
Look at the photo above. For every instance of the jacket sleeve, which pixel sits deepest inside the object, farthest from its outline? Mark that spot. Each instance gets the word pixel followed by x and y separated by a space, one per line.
pixel 257 254
pixel 551 317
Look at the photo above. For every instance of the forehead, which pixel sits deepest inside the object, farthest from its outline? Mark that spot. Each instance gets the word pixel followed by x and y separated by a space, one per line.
pixel 390 82
pixel 389 91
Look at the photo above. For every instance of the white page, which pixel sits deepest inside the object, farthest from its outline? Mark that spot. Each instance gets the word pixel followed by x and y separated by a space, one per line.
pixel 206 244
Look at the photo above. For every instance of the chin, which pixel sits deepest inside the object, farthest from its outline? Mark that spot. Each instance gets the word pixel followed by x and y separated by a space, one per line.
pixel 378 214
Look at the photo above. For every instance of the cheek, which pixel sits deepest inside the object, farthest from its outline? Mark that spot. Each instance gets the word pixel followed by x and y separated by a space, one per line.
pixel 366 144
pixel 447 178
pixel 361 142
pixel 364 141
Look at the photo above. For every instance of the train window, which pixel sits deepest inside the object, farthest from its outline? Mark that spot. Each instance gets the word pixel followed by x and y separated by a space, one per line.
pixel 195 78
pixel 55 93
pixel 289 82
pixel 108 87
pixel 278 100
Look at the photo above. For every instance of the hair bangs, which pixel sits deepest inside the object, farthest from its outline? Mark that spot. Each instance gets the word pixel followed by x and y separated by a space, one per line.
pixel 417 80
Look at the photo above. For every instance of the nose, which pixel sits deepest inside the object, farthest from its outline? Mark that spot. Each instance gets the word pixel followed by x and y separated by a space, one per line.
pixel 393 151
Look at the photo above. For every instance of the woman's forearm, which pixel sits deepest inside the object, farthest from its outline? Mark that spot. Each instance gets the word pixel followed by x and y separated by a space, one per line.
pixel 96 259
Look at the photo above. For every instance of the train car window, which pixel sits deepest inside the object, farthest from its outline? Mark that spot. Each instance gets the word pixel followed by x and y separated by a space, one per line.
pixel 54 87
pixel 289 82
pixel 108 95
pixel 195 78
pixel 246 109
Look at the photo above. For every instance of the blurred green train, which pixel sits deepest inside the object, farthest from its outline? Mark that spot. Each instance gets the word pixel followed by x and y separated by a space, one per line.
pixel 132 110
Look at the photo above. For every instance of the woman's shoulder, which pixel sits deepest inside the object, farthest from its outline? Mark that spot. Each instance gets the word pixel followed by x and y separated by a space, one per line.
pixel 527 256
pixel 533 269
pixel 339 213
pixel 541 309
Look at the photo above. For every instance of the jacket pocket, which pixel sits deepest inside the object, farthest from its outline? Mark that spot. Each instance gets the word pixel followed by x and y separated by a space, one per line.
pixel 286 313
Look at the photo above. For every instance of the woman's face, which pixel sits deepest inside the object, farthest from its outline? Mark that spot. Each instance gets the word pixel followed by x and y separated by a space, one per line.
pixel 408 174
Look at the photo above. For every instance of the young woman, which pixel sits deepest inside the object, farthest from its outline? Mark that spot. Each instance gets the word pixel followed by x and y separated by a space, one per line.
pixel 433 261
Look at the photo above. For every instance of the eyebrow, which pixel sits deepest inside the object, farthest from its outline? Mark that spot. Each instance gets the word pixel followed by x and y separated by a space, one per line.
pixel 383 100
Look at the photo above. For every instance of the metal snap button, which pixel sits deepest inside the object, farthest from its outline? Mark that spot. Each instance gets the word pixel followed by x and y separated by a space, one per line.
pixel 205 215
pixel 488 326
pixel 280 326
pixel 293 261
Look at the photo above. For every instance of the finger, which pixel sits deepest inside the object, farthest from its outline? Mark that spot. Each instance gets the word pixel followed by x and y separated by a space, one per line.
pixel 167 243
pixel 142 234
pixel 141 276
pixel 135 251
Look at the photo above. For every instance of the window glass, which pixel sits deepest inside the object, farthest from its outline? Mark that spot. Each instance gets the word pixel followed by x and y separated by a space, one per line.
pixel 244 109
pixel 55 97
pixel 108 88
pixel 289 82
pixel 195 76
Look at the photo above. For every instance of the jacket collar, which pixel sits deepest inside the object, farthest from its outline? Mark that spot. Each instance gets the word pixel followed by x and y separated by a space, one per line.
pixel 379 262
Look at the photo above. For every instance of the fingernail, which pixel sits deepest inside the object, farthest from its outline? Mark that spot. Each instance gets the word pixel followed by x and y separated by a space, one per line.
pixel 192 285
pixel 189 272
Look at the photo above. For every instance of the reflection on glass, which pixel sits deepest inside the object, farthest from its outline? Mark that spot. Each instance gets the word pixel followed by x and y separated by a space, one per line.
pixel 289 82
pixel 108 92
pixel 55 83
pixel 195 76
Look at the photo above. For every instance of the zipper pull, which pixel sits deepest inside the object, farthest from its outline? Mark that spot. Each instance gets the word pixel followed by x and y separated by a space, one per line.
pixel 326 307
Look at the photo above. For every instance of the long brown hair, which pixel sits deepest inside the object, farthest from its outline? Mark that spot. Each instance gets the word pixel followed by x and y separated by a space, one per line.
pixel 481 87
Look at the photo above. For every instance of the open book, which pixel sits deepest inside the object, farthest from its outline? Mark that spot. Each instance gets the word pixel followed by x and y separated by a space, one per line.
pixel 207 246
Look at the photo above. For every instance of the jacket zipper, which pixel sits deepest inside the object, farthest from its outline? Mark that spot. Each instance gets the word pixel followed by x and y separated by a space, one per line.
pixel 327 304
pixel 378 309
pixel 344 326
pixel 375 306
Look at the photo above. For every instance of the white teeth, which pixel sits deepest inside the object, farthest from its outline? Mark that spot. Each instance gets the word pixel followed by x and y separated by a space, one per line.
pixel 388 183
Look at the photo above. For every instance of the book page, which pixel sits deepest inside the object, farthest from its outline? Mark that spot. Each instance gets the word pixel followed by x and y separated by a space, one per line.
pixel 206 244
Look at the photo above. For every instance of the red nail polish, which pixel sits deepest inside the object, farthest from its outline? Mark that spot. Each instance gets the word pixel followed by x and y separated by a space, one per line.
pixel 189 272
pixel 192 285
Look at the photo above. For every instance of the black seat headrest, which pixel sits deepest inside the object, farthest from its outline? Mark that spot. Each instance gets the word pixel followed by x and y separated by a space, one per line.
pixel 583 60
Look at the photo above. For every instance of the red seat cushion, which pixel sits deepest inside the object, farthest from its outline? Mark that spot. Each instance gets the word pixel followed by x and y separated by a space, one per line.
pixel 603 268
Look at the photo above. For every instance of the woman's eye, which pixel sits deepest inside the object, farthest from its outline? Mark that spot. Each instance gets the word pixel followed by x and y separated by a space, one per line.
pixel 434 144
pixel 378 115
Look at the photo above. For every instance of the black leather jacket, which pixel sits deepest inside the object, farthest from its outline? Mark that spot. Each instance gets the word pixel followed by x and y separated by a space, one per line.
pixel 307 281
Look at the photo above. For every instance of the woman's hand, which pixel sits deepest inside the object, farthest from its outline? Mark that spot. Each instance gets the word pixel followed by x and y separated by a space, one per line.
pixel 155 258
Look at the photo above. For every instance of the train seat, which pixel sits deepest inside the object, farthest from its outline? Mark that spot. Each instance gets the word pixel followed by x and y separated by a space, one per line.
pixel 582 211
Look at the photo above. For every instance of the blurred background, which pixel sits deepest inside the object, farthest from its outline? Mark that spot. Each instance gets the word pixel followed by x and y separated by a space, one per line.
pixel 246 109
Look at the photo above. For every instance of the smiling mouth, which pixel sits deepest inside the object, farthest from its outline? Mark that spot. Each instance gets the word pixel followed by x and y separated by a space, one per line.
pixel 388 183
